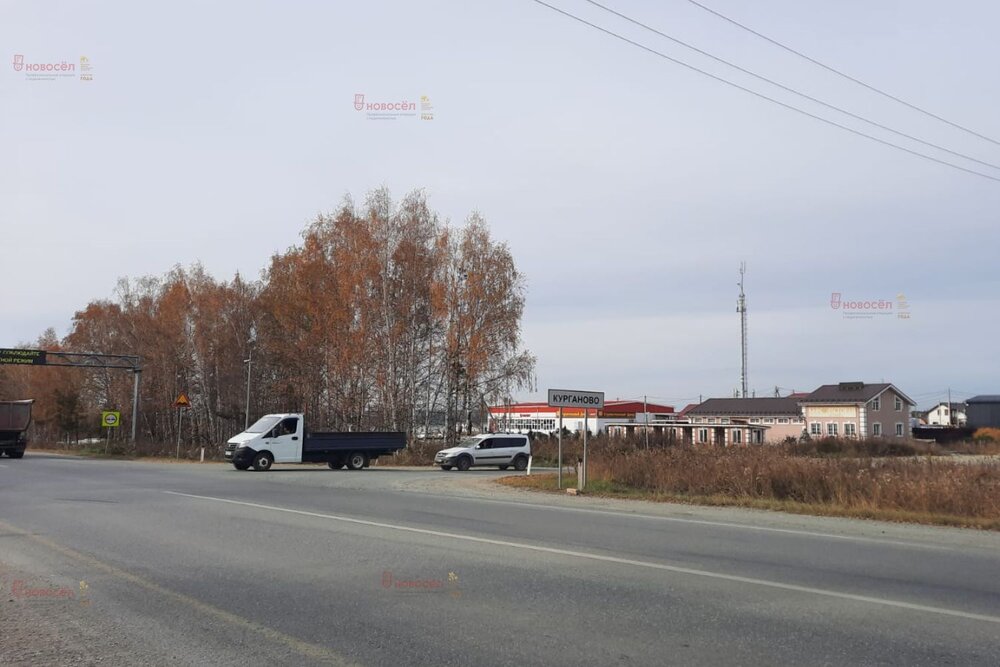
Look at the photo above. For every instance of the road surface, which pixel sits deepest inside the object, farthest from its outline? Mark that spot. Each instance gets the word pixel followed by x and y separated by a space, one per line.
pixel 157 563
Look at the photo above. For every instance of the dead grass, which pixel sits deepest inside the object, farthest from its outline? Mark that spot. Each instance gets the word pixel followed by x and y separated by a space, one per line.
pixel 145 452
pixel 923 490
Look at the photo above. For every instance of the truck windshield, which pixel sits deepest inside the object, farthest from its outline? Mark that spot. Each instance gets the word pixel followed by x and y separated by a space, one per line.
pixel 263 424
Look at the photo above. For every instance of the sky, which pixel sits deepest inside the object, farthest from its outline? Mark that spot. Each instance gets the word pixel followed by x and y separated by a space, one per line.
pixel 627 187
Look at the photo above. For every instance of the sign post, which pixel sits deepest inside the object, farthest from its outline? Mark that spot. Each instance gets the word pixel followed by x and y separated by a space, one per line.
pixel 560 449
pixel 181 403
pixel 571 398
pixel 110 419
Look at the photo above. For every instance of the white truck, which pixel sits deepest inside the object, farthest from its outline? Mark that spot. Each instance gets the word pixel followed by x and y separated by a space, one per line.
pixel 283 438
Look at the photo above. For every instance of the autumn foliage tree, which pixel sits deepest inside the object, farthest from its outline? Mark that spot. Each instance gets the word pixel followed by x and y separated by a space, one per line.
pixel 383 318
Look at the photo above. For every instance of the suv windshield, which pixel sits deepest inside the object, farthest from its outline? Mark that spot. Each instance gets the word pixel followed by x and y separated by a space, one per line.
pixel 263 424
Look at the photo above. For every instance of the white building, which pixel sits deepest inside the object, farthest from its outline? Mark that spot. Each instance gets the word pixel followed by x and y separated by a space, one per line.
pixel 945 414
pixel 540 418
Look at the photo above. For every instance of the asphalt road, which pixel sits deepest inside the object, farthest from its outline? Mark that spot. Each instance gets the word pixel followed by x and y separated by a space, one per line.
pixel 149 563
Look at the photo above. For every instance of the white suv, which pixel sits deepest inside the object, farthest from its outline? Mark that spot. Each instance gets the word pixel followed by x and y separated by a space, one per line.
pixel 489 449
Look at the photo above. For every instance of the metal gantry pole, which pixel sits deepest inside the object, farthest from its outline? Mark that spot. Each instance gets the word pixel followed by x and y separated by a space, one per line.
pixel 135 402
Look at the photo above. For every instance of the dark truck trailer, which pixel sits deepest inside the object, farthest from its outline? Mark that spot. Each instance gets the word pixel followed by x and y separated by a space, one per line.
pixel 283 438
pixel 15 418
pixel 335 446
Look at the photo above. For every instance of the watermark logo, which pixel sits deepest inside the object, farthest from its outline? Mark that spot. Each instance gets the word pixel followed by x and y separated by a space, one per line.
pixel 86 69
pixel 52 70
pixel 449 585
pixel 394 110
pixel 902 307
pixel 20 589
pixel 869 309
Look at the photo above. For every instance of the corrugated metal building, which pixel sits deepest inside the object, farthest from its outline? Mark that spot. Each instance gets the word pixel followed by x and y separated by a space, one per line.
pixel 983 411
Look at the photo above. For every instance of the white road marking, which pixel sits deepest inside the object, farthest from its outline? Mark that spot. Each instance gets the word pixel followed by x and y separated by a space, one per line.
pixel 618 560
pixel 2 465
pixel 703 522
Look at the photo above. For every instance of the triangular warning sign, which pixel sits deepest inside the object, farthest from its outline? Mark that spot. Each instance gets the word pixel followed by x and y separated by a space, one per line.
pixel 182 401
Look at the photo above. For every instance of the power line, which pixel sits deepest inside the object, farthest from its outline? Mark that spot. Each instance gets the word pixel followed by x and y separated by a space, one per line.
pixel 792 90
pixel 765 97
pixel 842 74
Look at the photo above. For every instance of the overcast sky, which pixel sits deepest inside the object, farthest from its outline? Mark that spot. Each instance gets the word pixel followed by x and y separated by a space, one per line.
pixel 628 188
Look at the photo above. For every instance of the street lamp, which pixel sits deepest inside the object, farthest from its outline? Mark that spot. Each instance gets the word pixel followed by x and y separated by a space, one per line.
pixel 249 362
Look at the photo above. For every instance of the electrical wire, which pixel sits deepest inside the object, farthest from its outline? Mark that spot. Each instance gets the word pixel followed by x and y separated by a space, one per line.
pixel 842 74
pixel 765 97
pixel 792 90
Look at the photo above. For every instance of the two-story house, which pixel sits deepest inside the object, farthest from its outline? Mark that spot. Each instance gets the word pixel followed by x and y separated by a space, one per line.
pixel 946 414
pixel 857 410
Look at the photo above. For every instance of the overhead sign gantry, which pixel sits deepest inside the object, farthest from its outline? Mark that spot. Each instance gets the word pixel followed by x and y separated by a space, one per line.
pixel 19 357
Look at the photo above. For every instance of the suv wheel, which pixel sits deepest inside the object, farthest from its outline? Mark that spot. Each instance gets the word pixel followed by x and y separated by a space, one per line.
pixel 521 463
pixel 464 463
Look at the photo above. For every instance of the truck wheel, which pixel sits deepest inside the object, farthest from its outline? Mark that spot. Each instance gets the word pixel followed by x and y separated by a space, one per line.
pixel 521 463
pixel 357 461
pixel 16 455
pixel 263 461
pixel 464 463
pixel 241 466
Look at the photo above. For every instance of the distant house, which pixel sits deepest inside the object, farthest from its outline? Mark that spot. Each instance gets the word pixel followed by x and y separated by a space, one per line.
pixel 857 410
pixel 946 414
pixel 983 411
pixel 780 418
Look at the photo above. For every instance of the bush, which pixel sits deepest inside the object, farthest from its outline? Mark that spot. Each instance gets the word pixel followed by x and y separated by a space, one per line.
pixel 987 434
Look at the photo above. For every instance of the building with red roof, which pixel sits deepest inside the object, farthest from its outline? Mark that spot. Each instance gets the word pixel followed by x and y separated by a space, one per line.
pixel 539 417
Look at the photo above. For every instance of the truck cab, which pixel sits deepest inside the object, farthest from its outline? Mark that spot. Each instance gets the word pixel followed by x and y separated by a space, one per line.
pixel 280 435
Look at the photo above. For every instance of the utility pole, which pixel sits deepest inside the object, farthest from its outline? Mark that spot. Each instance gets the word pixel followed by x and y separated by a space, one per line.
pixel 951 421
pixel 645 409
pixel 741 308
pixel 249 362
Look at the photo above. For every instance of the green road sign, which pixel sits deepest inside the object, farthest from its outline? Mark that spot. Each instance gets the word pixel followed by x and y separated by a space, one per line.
pixel 111 418
pixel 22 357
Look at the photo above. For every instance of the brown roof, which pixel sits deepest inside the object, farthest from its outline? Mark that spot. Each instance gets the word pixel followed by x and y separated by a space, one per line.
pixel 850 392
pixel 735 407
